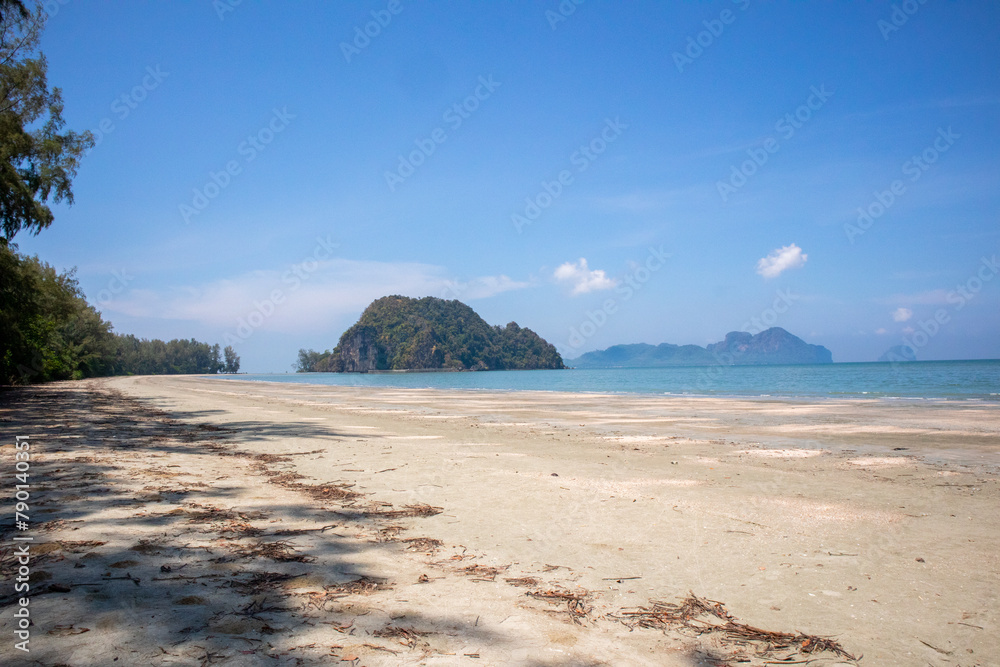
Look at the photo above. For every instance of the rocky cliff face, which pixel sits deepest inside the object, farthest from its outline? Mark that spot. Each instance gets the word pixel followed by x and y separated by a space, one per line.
pixel 359 351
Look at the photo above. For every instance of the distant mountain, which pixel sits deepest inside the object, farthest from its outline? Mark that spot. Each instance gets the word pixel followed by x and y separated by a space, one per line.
pixel 642 354
pixel 397 333
pixel 898 353
pixel 773 346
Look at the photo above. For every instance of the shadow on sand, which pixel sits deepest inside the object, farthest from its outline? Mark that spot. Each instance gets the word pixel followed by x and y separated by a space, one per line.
pixel 146 552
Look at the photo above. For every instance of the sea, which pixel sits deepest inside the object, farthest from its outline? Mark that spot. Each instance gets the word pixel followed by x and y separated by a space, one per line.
pixel 910 381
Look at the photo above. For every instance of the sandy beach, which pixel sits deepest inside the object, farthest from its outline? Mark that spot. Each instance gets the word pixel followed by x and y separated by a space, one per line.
pixel 195 521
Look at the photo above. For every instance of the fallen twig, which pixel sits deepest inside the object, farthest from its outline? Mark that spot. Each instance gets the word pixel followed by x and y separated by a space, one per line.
pixel 127 577
pixel 709 616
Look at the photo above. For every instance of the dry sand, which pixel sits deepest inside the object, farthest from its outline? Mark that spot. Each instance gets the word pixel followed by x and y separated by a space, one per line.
pixel 190 521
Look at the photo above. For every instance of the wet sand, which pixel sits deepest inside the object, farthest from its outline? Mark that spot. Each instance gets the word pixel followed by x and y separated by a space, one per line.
pixel 274 523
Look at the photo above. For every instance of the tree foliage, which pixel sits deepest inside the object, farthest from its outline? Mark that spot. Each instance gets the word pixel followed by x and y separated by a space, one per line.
pixel 14 7
pixel 48 331
pixel 400 333
pixel 38 160
pixel 232 363
pixel 311 361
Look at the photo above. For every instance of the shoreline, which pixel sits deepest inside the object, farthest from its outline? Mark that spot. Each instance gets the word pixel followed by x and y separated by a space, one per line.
pixel 674 404
pixel 359 380
pixel 778 510
pixel 791 398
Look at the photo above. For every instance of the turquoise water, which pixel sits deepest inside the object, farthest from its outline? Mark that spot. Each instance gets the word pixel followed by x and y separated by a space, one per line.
pixel 928 380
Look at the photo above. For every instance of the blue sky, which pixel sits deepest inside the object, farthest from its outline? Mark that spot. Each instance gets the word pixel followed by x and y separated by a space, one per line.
pixel 601 173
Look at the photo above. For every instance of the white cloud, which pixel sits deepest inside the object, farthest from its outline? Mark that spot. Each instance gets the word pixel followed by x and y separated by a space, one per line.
pixel 881 331
pixel 908 330
pixel 307 301
pixel 786 257
pixel 583 278
pixel 481 288
pixel 901 314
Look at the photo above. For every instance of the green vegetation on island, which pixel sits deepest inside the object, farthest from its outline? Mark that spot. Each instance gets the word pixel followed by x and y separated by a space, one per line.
pixel 398 333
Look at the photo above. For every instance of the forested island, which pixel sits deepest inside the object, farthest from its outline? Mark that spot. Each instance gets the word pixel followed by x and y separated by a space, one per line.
pixel 772 346
pixel 397 333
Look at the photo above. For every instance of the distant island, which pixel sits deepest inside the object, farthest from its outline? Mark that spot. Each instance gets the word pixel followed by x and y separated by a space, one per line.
pixel 773 346
pixel 397 333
